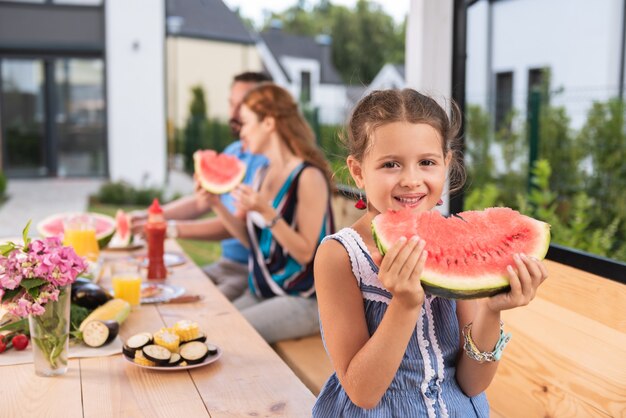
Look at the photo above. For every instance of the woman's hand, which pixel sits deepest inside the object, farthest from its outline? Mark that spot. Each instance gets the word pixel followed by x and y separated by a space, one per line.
pixel 525 279
pixel 203 196
pixel 247 199
pixel 401 269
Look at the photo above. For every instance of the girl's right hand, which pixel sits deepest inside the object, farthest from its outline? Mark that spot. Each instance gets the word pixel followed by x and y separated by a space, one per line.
pixel 401 269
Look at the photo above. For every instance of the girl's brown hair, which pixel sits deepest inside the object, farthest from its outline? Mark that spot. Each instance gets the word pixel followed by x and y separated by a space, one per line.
pixel 387 106
pixel 268 99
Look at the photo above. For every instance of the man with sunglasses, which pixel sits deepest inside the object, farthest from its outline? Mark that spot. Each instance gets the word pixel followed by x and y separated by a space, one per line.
pixel 230 271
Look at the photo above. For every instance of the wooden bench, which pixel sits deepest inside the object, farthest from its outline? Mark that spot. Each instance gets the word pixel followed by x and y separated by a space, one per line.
pixel 567 356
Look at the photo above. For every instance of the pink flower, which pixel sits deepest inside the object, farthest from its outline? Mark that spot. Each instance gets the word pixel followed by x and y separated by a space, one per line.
pixel 45 259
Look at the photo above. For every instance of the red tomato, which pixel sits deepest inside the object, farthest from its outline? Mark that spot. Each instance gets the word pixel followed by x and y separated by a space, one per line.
pixel 20 341
pixel 3 346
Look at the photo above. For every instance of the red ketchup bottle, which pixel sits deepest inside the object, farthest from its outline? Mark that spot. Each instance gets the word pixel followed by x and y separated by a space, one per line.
pixel 155 235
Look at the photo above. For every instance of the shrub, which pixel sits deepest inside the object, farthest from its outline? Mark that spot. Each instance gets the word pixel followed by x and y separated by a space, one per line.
pixel 3 184
pixel 122 193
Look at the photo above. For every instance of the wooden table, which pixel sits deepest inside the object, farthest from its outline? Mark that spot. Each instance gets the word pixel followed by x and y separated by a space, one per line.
pixel 248 380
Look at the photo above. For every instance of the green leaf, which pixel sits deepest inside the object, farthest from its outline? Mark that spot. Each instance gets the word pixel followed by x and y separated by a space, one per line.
pixel 34 292
pixel 19 326
pixel 25 233
pixel 30 283
pixel 7 248
pixel 10 294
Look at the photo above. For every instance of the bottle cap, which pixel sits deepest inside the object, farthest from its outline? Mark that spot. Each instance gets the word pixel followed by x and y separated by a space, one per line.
pixel 155 208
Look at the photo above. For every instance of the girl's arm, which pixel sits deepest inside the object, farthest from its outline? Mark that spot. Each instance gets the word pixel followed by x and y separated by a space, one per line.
pixel 484 314
pixel 313 196
pixel 366 365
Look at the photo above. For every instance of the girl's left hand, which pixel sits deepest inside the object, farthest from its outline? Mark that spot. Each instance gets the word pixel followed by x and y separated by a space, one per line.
pixel 247 199
pixel 525 279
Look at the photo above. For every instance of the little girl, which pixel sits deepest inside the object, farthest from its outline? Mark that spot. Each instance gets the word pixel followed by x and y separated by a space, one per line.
pixel 396 351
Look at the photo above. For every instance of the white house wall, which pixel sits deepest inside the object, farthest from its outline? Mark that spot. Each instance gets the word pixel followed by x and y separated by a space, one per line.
pixel 330 99
pixel 333 104
pixel 578 40
pixel 206 63
pixel 136 91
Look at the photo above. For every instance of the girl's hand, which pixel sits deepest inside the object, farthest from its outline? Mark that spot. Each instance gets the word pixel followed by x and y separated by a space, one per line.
pixel 203 196
pixel 247 199
pixel 525 278
pixel 401 269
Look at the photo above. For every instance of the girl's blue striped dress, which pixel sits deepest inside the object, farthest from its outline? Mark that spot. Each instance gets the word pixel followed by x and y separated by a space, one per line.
pixel 272 270
pixel 425 384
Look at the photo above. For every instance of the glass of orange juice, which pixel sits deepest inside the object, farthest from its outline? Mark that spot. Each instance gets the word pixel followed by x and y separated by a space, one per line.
pixel 80 233
pixel 126 278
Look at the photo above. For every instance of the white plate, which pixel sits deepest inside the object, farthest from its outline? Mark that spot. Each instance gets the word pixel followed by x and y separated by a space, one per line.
pixel 210 359
pixel 166 292
pixel 169 259
pixel 134 245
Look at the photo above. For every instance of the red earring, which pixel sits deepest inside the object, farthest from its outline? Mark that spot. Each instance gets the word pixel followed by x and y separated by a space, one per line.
pixel 440 202
pixel 360 204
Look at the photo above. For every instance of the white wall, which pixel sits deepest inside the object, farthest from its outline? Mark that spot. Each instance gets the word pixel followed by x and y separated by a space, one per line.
pixel 579 40
pixel 332 101
pixel 428 53
pixel 136 90
pixel 192 62
pixel 429 47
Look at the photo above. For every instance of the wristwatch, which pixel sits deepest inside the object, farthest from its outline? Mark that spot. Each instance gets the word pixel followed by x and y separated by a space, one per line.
pixel 172 229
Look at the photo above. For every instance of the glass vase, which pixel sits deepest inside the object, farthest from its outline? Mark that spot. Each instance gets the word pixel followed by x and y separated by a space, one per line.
pixel 49 333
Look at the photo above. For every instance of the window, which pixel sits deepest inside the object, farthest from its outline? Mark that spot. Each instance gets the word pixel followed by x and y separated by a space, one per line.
pixel 305 86
pixel 504 99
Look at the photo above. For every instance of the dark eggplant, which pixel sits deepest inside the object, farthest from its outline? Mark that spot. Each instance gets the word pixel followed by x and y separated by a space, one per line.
pixel 156 353
pixel 89 295
pixel 175 360
pixel 128 352
pixel 194 352
pixel 98 333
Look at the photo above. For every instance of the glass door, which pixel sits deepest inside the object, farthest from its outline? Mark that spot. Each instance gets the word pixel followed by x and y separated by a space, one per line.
pixel 79 116
pixel 23 122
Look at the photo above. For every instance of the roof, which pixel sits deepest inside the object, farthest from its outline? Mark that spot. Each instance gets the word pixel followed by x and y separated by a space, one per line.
pixel 207 19
pixel 282 44
pixel 400 69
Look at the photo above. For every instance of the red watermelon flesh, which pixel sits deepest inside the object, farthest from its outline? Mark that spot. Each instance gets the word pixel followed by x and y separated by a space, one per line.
pixel 468 253
pixel 218 173
pixel 52 226
pixel 122 236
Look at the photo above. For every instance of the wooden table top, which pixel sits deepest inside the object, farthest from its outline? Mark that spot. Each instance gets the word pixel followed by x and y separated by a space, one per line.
pixel 248 380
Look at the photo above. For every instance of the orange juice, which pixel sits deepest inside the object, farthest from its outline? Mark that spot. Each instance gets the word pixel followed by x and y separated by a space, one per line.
pixel 127 286
pixel 83 241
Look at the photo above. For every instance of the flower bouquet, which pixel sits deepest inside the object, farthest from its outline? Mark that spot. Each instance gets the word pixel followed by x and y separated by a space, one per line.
pixel 35 281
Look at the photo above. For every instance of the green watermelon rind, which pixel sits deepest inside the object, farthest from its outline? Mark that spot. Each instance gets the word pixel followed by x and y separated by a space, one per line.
pixel 103 238
pixel 214 188
pixel 462 288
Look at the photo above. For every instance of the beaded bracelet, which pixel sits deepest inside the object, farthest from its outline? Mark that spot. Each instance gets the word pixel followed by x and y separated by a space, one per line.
pixel 484 356
pixel 275 219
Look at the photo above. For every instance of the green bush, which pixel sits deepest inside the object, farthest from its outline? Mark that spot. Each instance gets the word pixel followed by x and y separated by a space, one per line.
pixel 122 193
pixel 200 132
pixel 3 184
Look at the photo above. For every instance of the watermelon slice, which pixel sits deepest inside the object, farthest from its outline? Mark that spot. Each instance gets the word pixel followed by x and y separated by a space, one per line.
pixel 218 173
pixel 122 237
pixel 467 253
pixel 52 226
